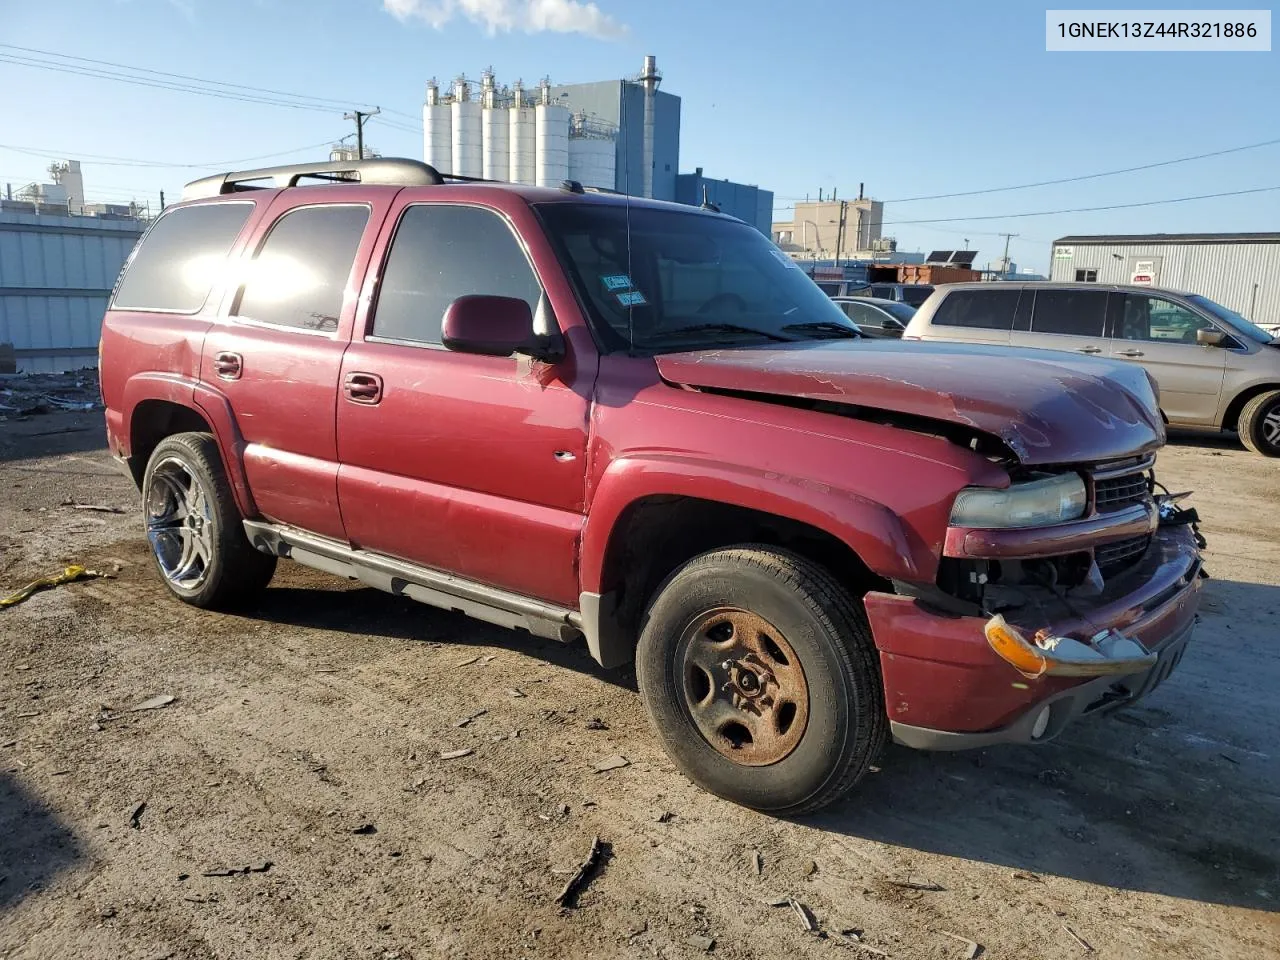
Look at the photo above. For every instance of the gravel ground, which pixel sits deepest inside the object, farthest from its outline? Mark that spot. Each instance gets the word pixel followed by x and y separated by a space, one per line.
pixel 304 743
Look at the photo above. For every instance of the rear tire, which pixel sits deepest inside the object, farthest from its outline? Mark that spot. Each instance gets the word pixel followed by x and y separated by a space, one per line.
pixel 197 537
pixel 1259 424
pixel 739 649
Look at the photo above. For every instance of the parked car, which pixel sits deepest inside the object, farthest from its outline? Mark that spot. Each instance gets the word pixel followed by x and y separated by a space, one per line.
pixel 875 317
pixel 911 293
pixel 588 416
pixel 841 288
pixel 1214 368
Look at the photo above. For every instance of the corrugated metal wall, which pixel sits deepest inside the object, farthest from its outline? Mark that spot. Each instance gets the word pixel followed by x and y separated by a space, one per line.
pixel 56 274
pixel 1242 276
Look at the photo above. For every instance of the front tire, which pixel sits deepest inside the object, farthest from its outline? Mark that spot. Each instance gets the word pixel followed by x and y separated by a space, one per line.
pixel 1259 424
pixel 197 538
pixel 761 679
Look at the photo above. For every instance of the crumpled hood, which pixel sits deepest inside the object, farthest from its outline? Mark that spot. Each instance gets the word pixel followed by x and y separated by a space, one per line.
pixel 1048 407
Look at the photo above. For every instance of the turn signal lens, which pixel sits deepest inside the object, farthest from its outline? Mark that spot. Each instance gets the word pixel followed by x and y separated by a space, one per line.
pixel 1010 645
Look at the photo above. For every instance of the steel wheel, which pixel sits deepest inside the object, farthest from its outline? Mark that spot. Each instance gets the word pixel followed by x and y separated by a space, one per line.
pixel 179 519
pixel 744 687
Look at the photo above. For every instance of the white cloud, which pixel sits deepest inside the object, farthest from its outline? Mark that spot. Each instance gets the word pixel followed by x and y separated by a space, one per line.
pixel 529 16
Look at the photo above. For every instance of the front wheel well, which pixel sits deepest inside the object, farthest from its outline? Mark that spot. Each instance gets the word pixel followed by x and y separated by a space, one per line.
pixel 656 535
pixel 1231 419
pixel 152 421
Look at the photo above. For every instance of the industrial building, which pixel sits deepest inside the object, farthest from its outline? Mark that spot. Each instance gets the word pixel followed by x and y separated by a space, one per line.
pixel 621 135
pixel 834 229
pixel 1241 271
pixel 59 258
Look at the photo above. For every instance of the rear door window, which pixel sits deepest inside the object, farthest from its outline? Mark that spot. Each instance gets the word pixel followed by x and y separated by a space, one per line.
pixel 181 258
pixel 978 309
pixel 441 252
pixel 300 275
pixel 1075 313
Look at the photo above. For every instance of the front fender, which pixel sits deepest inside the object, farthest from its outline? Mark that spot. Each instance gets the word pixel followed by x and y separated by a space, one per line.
pixel 868 528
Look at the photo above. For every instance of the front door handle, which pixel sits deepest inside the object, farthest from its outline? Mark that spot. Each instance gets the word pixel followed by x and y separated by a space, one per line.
pixel 1130 353
pixel 364 388
pixel 1088 349
pixel 228 365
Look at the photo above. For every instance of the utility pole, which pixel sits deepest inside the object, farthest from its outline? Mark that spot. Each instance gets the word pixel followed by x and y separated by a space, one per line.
pixel 844 209
pixel 1004 266
pixel 360 116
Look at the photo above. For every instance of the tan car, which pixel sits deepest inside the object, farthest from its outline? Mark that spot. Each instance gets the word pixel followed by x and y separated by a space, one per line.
pixel 1214 368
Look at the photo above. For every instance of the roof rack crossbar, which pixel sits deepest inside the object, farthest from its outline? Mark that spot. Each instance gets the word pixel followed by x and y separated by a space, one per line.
pixel 390 172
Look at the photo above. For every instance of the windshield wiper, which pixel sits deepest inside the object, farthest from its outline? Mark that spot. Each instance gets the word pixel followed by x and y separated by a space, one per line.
pixel 825 326
pixel 723 328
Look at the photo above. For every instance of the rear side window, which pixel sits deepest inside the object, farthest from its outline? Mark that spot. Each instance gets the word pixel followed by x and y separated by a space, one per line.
pixel 299 276
pixel 181 258
pixel 980 309
pixel 441 252
pixel 1076 313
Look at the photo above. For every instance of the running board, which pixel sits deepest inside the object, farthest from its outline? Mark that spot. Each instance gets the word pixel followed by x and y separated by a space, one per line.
pixel 423 584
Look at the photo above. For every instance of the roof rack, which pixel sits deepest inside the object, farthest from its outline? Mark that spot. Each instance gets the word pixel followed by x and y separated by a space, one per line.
pixel 391 172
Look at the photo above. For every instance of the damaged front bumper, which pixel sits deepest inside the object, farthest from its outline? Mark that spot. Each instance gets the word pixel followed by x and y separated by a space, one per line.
pixel 947 688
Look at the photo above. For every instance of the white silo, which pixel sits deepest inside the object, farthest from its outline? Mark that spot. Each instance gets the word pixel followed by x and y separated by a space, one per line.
pixel 496 159
pixel 437 131
pixel 593 162
pixel 523 138
pixel 467 139
pixel 551 124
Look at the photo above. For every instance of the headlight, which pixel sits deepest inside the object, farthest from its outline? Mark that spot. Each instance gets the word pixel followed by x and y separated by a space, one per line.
pixel 1038 503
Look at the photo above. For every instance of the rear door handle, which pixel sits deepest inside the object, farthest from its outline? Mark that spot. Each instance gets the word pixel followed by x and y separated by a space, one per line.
pixel 1130 353
pixel 227 365
pixel 1088 349
pixel 365 388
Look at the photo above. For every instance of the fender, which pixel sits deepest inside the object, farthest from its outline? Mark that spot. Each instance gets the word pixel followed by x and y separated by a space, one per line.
pixel 211 405
pixel 870 529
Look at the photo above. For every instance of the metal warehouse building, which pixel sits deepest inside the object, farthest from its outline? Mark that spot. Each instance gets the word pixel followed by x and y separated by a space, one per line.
pixel 56 273
pixel 1238 270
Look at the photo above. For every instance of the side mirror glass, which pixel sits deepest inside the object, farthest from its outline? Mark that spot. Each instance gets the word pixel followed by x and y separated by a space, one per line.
pixel 496 327
pixel 1210 338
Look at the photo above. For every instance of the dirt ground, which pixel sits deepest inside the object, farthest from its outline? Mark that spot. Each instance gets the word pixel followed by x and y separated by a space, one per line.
pixel 308 735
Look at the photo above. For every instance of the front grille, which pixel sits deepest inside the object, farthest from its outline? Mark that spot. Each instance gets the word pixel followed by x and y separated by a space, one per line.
pixel 1112 558
pixel 1117 493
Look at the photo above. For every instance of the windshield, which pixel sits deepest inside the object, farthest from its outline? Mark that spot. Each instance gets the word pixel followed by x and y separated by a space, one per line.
pixel 685 279
pixel 1246 328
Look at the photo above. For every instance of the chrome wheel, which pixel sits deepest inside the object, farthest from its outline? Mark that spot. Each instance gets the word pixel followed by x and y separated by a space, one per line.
pixel 744 687
pixel 180 524
pixel 1271 428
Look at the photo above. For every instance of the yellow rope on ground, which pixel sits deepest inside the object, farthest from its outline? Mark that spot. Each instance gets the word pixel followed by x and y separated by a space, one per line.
pixel 69 575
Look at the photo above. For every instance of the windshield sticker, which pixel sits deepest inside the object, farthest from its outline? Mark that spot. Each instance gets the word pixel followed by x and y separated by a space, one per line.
pixel 784 259
pixel 616 281
pixel 632 298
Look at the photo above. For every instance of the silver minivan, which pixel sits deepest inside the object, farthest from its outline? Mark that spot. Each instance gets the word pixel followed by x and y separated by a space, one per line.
pixel 1214 368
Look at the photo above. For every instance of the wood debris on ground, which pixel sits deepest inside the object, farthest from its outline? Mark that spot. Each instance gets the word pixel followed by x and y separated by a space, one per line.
pixel 581 876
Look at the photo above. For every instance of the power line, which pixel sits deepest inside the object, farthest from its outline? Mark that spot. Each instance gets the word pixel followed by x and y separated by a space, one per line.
pixel 110 161
pixel 331 104
pixel 1112 206
pixel 1050 213
pixel 1089 176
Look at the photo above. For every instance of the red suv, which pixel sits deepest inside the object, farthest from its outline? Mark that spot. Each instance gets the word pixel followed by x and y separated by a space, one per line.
pixel 638 423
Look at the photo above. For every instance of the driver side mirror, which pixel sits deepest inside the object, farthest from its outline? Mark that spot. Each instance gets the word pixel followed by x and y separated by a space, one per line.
pixel 496 327
pixel 1210 338
pixel 889 325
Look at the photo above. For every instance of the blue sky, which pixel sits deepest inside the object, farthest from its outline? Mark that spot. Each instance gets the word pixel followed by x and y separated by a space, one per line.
pixel 912 99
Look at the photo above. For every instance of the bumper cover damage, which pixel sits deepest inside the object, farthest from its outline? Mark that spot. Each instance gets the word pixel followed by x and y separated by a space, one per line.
pixel 956 682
